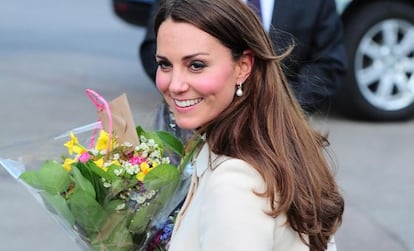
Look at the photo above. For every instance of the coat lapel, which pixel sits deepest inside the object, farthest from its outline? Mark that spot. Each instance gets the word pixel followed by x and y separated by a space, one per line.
pixel 202 161
pixel 199 167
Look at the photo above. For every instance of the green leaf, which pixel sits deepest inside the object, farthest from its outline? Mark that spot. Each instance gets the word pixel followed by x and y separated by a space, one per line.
pixel 141 219
pixel 88 213
pixel 114 234
pixel 94 178
pixel 171 142
pixel 111 206
pixel 164 179
pixel 160 176
pixel 120 185
pixel 149 135
pixel 163 138
pixel 111 173
pixel 97 170
pixel 51 177
pixel 82 183
pixel 57 204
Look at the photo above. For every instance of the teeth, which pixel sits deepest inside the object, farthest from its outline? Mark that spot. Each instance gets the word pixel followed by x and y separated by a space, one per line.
pixel 187 103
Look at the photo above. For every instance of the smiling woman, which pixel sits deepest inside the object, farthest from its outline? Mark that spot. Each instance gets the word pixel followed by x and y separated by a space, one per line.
pixel 197 74
pixel 260 180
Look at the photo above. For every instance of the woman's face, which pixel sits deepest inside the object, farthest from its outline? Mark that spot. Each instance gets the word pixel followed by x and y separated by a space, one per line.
pixel 196 74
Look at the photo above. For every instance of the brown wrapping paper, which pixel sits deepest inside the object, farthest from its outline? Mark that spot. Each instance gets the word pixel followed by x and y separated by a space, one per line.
pixel 123 124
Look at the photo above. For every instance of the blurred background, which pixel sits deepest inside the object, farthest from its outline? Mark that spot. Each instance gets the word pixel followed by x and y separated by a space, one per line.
pixel 51 51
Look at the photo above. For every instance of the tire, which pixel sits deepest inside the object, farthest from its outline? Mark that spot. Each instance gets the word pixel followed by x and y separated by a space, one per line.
pixel 379 84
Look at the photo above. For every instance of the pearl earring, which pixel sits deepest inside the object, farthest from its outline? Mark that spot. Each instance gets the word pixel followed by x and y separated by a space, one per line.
pixel 239 91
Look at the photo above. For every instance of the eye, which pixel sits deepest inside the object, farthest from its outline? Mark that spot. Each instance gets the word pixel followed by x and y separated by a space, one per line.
pixel 197 65
pixel 163 64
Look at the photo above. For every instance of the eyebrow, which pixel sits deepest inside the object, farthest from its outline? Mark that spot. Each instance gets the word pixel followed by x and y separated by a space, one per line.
pixel 186 57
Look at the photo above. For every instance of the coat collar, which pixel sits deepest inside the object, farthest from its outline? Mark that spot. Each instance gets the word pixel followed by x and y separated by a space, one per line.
pixel 207 159
pixel 202 161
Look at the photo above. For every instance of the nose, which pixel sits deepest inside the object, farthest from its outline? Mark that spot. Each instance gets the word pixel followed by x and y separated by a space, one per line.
pixel 178 83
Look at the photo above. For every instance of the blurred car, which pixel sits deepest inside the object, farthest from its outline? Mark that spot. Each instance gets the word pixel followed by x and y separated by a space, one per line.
pixel 136 12
pixel 379 38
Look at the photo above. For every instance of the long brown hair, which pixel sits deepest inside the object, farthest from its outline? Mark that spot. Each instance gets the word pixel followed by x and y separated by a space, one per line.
pixel 266 126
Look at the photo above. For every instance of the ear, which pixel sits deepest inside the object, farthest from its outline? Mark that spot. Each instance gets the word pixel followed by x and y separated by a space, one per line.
pixel 245 65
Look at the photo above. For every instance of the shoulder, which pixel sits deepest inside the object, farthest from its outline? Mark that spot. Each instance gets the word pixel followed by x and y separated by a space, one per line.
pixel 225 176
pixel 235 171
pixel 235 183
pixel 230 205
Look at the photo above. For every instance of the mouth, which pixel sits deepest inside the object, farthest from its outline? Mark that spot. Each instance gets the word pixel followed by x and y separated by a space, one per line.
pixel 187 103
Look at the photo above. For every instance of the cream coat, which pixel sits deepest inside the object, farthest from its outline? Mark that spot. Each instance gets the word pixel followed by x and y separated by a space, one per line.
pixel 221 212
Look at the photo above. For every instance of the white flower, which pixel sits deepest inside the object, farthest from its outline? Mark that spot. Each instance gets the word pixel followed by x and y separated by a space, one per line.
pixel 155 154
pixel 144 154
pixel 127 144
pixel 165 160
pixel 140 199
pixel 116 156
pixel 120 206
pixel 151 142
pixel 94 152
pixel 131 169
pixel 119 172
pixel 149 194
pixel 143 139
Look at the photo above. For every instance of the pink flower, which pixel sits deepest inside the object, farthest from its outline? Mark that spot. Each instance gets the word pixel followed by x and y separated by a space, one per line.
pixel 137 160
pixel 84 157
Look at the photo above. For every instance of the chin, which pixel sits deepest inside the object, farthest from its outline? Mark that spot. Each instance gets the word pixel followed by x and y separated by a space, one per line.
pixel 186 125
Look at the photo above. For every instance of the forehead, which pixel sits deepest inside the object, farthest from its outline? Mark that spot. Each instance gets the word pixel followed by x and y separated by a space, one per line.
pixel 184 37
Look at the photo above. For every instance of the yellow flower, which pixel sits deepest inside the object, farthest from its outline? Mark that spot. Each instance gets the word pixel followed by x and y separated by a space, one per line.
pixel 103 141
pixel 78 149
pixel 145 168
pixel 100 164
pixel 115 162
pixel 67 164
pixel 73 144
pixel 140 176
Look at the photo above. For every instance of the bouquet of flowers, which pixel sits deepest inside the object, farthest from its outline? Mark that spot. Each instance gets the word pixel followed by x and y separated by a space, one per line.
pixel 113 191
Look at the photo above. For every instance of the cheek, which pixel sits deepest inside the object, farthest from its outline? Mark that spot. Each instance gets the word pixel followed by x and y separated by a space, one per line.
pixel 216 83
pixel 161 81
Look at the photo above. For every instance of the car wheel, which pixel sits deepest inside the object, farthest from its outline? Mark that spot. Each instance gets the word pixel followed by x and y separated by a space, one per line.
pixel 380 81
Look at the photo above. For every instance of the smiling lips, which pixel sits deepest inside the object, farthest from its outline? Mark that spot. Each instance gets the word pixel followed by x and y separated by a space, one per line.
pixel 187 103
